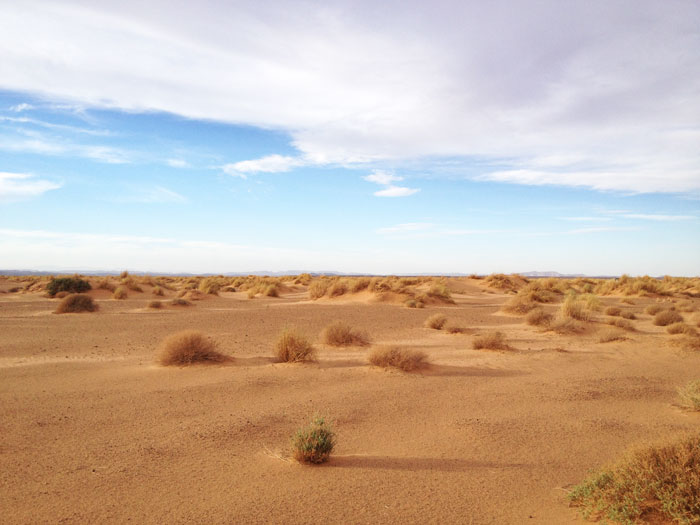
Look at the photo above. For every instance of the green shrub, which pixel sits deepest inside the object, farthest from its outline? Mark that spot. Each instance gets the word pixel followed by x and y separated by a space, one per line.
pixel 314 442
pixel 67 284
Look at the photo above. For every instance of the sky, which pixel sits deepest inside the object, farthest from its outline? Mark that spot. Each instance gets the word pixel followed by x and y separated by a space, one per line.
pixel 351 136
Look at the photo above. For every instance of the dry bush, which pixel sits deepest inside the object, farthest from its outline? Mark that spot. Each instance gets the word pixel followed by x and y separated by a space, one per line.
pixel 318 288
pixel 73 285
pixel 414 303
pixel 188 347
pixel 686 306
pixel 538 317
pixel 653 309
pixel 680 328
pixel 626 314
pixel 627 300
pixel 252 293
pixel 337 289
pixel 455 329
pixel 155 304
pixel 567 326
pixel 180 302
pixel 667 317
pixel 292 347
pixel 272 290
pixel 210 285
pixel 690 395
pixel 491 341
pixel 575 309
pixel 315 442
pixel 441 293
pixel 120 293
pixel 339 333
pixel 76 303
pixel 613 310
pixel 397 357
pixel 436 321
pixel 131 284
pixel 592 303
pixel 520 304
pixel 105 284
pixel 505 282
pixel 359 284
pixel 659 483
pixel 157 290
pixel 611 335
pixel 621 323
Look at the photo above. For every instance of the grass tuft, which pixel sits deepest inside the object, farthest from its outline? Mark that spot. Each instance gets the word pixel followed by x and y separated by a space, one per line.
pixel 610 335
pixel 292 347
pixel 491 341
pixel 667 317
pixel 339 333
pixel 155 304
pixel 690 395
pixel 178 301
pixel 76 303
pixel 397 357
pixel 681 328
pixel 653 309
pixel 661 481
pixel 186 348
pixel 574 308
pixel 315 442
pixel 120 293
pixel 538 317
pixel 436 321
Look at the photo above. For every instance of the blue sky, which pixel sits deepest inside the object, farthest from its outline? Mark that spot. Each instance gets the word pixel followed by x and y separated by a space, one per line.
pixel 351 138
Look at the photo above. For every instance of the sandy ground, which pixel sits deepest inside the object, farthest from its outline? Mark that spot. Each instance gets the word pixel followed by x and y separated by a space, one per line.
pixel 93 431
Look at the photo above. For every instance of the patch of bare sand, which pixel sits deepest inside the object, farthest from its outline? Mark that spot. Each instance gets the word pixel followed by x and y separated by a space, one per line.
pixel 94 431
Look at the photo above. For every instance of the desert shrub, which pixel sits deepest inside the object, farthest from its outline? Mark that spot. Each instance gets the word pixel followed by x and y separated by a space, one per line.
pixel 291 347
pixel 626 300
pixel 314 443
pixel 120 293
pixel 131 284
pixel 397 357
pixel 414 303
pixel 178 301
pixel 105 284
pixel 690 395
pixel 491 341
pixel 272 291
pixel 337 289
pixel 538 317
pixel 680 328
pixel 157 290
pixel 520 304
pixel 591 301
pixel 360 284
pixel 339 333
pixel 567 326
pixel 61 295
pixel 661 481
pixel 436 321
pixel 667 317
pixel 75 303
pixel 613 310
pixel 188 347
pixel 455 329
pixel 252 292
pixel 155 304
pixel 621 323
pixel 209 285
pixel 653 309
pixel 14 289
pixel 611 335
pixel 67 284
pixel 124 275
pixel 626 314
pixel 318 288
pixel 440 292
pixel 575 309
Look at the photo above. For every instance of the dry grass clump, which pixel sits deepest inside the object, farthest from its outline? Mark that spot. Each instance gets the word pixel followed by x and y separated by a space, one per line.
pixel 157 290
pixel 436 321
pixel 76 303
pixel 690 343
pixel 538 317
pixel 567 326
pixel 105 284
pixel 397 357
pixel 575 309
pixel 626 314
pixel 339 333
pixel 292 347
pixel 271 291
pixel 627 300
pixel 414 303
pixel 690 395
pixel 440 292
pixel 490 341
pixel 621 323
pixel 680 328
pixel 611 335
pixel 657 483
pixel 318 288
pixel 667 317
pixel 520 304
pixel 155 304
pixel 315 442
pixel 178 301
pixel 210 285
pixel 653 309
pixel 456 329
pixel 120 293
pixel 686 306
pixel 360 284
pixel 613 310
pixel 506 282
pixel 131 284
pixel 186 348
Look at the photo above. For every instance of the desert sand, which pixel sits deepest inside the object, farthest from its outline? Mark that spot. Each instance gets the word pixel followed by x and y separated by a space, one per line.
pixel 94 431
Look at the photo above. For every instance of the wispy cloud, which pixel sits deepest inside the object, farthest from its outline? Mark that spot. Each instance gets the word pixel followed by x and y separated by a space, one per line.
pixel 386 179
pixel 18 108
pixel 427 229
pixel 177 163
pixel 269 164
pixel 406 227
pixel 600 229
pixel 151 195
pixel 39 144
pixel 658 217
pixel 587 219
pixel 18 186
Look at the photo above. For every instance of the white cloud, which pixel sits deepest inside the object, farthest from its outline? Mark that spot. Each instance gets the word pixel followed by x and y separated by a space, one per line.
pixel 177 163
pixel 658 217
pixel 18 186
pixel 395 191
pixel 406 227
pixel 21 107
pixel 382 177
pixel 600 230
pixel 576 94
pixel 269 164
pixel 152 195
pixel 587 219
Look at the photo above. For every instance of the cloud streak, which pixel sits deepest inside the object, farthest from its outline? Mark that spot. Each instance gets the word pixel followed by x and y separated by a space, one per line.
pixel 19 186
pixel 390 190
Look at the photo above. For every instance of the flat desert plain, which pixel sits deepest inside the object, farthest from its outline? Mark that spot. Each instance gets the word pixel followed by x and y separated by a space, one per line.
pixel 94 430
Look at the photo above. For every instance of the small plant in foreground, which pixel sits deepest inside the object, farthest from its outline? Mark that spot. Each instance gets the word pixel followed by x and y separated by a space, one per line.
pixel 188 347
pixel 667 317
pixel 76 303
pixel 538 317
pixel 292 347
pixel 436 321
pixel 396 357
pixel 575 309
pixel 120 293
pixel 339 333
pixel 661 481
pixel 690 395
pixel 315 442
pixel 67 284
pixel 490 341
